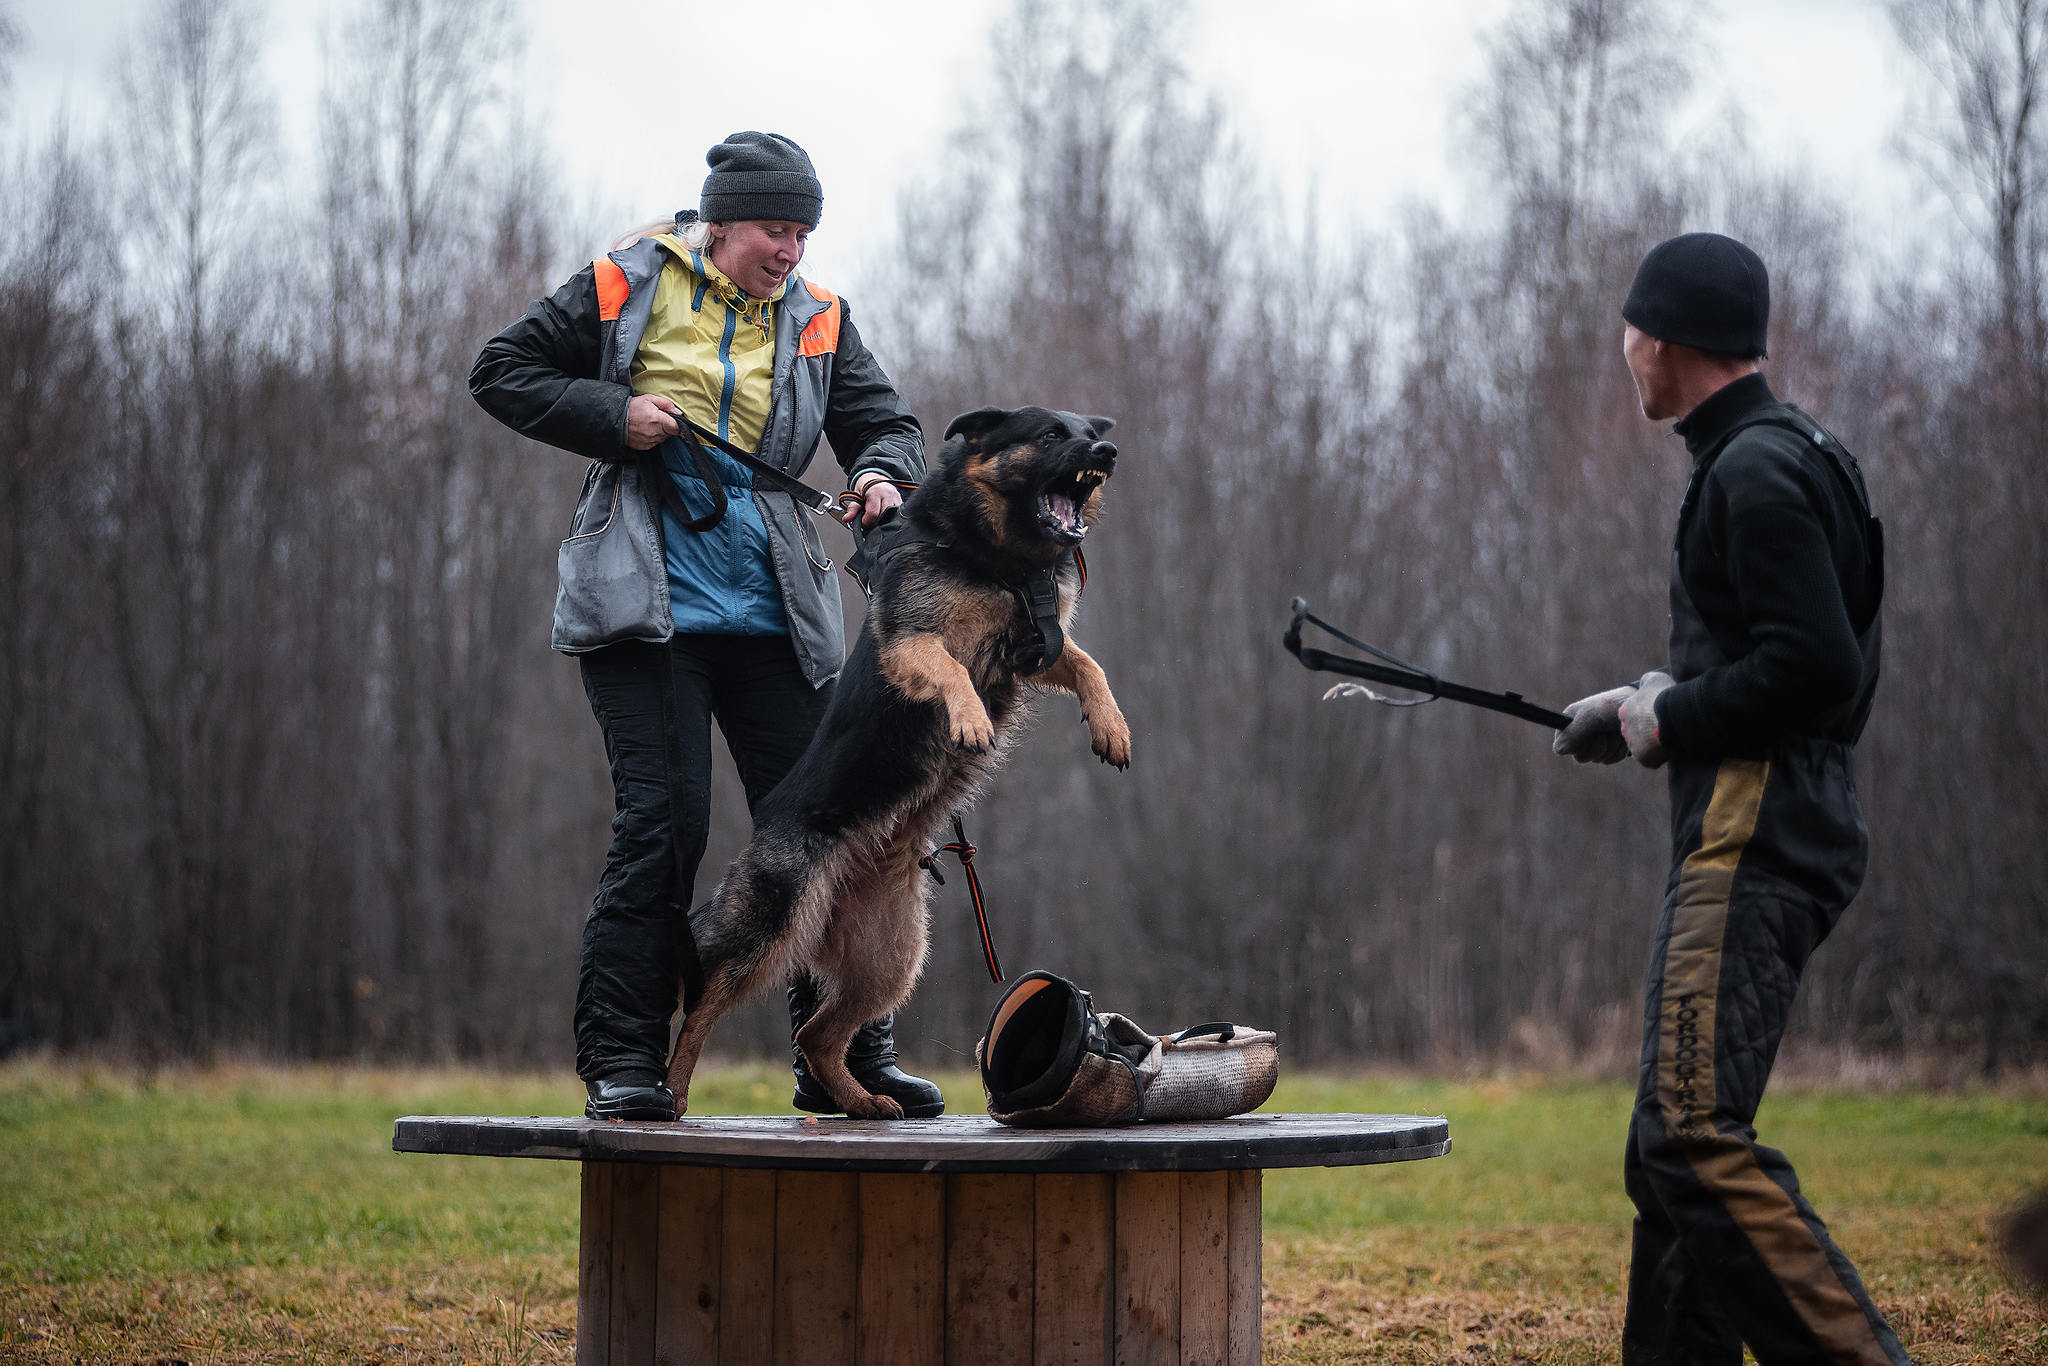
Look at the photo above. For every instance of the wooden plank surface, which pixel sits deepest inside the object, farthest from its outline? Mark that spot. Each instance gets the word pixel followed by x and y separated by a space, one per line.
pixel 1246 1231
pixel 1204 1268
pixel 686 1298
pixel 989 1271
pixel 746 1305
pixel 902 1294
pixel 636 1211
pixel 817 1242
pixel 952 1143
pixel 1073 1240
pixel 1147 1269
pixel 594 1267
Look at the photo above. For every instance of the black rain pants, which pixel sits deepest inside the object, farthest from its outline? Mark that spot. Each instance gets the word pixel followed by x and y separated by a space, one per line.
pixel 635 939
pixel 1766 855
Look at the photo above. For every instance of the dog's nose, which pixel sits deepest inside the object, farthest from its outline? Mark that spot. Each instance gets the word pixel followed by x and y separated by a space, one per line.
pixel 1106 449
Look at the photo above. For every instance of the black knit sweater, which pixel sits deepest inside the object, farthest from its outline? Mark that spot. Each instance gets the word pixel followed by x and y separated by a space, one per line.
pixel 1772 555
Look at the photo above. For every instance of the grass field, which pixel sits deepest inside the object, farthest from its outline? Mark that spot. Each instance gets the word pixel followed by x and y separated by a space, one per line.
pixel 248 1214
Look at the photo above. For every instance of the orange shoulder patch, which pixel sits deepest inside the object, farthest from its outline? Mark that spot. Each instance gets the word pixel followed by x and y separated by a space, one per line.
pixel 611 289
pixel 821 335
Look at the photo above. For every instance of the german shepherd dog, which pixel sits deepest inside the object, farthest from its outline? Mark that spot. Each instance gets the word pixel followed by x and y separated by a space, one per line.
pixel 930 699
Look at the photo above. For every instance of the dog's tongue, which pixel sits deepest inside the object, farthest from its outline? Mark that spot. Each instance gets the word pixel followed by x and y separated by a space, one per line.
pixel 1062 508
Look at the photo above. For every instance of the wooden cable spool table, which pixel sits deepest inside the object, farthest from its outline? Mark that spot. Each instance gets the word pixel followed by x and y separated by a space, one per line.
pixel 742 1241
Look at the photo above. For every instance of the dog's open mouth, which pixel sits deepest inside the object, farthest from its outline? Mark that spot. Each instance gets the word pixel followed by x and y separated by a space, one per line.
pixel 1059 506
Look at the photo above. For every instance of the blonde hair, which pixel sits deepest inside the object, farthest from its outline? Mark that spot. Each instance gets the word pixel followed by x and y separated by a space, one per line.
pixel 696 233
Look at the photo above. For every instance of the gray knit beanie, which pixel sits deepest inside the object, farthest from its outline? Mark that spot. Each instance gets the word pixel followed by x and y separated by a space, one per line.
pixel 761 175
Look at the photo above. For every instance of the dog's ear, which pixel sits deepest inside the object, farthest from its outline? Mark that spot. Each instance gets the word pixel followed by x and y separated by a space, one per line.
pixel 1100 425
pixel 976 426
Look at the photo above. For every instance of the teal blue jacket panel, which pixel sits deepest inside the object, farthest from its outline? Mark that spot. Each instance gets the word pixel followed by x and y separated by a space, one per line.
pixel 721 582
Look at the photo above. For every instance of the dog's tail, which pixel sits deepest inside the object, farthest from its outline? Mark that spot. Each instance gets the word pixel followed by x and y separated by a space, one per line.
pixel 751 913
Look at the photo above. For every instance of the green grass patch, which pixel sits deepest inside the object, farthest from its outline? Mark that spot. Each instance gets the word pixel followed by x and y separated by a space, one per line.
pixel 1549 1152
pixel 201 1171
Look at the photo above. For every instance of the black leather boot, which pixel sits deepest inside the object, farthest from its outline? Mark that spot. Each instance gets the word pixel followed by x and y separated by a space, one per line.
pixel 629 1096
pixel 871 1057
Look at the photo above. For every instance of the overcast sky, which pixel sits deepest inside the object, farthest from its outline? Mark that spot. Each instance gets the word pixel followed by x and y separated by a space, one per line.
pixel 1357 98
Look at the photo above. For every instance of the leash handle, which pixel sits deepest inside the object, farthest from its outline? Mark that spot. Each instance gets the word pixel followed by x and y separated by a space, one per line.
pixel 964 851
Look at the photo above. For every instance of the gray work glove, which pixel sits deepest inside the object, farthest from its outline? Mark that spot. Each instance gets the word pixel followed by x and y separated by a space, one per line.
pixel 1639 720
pixel 1594 736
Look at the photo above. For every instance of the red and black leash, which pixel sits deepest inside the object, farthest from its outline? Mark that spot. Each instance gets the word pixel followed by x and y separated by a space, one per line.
pixel 964 851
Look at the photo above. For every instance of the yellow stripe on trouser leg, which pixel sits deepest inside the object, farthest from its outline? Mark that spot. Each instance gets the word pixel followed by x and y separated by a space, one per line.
pixel 1725 1163
pixel 1692 960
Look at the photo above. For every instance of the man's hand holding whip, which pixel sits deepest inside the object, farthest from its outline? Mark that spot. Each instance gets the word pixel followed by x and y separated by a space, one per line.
pixel 1618 724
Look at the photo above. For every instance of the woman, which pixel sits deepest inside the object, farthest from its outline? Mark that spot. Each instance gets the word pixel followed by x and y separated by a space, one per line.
pixel 689 592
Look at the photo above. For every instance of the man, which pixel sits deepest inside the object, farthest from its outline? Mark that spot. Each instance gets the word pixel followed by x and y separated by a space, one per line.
pixel 1776 577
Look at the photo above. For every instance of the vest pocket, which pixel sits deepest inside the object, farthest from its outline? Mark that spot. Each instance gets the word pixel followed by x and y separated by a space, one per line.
pixel 611 511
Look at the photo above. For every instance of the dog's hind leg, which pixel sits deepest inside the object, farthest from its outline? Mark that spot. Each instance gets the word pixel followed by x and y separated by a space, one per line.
pixel 765 916
pixel 722 991
pixel 873 952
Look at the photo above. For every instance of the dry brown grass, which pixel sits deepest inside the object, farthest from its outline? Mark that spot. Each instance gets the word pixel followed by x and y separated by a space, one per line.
pixel 1554 1296
pixel 1533 1297
pixel 501 1312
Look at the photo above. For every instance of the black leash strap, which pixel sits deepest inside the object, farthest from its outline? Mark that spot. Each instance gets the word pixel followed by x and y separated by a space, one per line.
pixel 964 851
pixel 1400 674
pixel 816 501
pixel 661 488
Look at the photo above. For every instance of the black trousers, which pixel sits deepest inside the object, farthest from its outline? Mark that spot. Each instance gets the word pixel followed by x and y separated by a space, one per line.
pixel 1766 855
pixel 634 939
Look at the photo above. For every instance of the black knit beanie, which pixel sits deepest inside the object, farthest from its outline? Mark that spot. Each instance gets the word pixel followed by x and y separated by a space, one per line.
pixel 1703 290
pixel 760 175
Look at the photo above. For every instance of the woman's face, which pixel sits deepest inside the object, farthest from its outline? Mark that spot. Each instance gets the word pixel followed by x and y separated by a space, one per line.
pixel 759 254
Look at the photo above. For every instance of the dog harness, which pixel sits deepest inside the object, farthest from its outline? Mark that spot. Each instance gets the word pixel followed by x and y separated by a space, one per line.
pixel 1037 592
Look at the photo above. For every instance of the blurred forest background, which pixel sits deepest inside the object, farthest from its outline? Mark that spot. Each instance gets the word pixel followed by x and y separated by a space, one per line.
pixel 287 766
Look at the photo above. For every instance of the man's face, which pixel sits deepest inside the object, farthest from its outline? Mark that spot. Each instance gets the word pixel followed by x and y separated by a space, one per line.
pixel 759 254
pixel 1649 364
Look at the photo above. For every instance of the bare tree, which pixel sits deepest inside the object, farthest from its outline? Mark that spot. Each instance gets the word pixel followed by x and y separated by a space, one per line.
pixel 197 127
pixel 1572 111
pixel 1973 447
pixel 175 442
pixel 47 285
pixel 1983 139
pixel 440 233
pixel 10 46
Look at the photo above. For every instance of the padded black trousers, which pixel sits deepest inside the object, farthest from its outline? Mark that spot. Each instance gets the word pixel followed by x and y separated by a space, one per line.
pixel 1766 855
pixel 633 940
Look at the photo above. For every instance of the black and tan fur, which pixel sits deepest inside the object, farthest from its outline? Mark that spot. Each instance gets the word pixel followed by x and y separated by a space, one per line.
pixel 930 699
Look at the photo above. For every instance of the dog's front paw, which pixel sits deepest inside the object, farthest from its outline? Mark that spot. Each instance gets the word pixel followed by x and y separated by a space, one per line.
pixel 1111 740
pixel 973 730
pixel 875 1107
